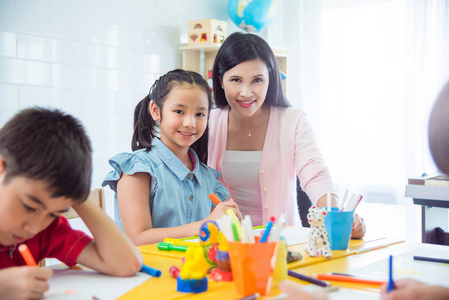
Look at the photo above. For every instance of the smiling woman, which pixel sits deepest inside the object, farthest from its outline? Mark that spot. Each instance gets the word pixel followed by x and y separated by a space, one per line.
pixel 258 141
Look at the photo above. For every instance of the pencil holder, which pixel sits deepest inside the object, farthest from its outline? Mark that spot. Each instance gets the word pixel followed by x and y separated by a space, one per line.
pixel 339 226
pixel 252 266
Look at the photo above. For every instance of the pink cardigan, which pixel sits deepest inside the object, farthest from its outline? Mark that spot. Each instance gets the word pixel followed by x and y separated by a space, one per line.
pixel 289 149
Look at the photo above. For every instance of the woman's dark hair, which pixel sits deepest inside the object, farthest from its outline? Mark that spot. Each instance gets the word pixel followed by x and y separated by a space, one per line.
pixel 240 47
pixel 50 146
pixel 145 127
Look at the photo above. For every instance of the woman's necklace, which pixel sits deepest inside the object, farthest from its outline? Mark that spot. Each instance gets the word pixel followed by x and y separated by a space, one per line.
pixel 249 132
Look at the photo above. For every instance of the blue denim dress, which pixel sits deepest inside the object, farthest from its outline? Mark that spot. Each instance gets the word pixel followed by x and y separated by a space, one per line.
pixel 178 196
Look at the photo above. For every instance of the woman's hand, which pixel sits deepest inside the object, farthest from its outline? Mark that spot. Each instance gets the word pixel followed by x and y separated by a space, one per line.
pixel 358 227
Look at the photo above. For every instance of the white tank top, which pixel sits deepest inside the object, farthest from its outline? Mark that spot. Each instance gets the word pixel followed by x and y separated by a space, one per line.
pixel 241 172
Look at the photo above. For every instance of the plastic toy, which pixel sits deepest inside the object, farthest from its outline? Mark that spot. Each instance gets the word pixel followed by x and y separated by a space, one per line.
pixel 192 277
pixel 209 241
pixel 318 240
pixel 223 270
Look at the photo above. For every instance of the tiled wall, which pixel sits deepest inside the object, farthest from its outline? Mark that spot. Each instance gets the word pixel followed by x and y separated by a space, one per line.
pixel 94 59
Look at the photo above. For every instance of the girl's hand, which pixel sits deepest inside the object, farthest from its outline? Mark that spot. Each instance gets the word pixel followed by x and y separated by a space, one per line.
pixel 24 282
pixel 358 227
pixel 221 209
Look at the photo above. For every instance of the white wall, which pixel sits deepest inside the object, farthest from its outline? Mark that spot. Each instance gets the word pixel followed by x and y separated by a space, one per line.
pixel 94 59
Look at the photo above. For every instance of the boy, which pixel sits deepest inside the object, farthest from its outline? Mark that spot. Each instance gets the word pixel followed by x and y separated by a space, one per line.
pixel 45 168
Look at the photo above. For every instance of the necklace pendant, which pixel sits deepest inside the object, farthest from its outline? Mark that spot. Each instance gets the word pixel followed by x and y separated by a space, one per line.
pixel 249 134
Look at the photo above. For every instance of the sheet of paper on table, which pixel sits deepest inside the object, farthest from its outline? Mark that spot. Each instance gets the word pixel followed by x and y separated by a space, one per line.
pixel 88 284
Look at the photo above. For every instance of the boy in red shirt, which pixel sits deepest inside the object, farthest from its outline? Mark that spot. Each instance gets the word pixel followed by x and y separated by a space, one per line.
pixel 45 168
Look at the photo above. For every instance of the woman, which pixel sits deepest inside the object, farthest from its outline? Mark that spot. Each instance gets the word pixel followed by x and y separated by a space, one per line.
pixel 258 141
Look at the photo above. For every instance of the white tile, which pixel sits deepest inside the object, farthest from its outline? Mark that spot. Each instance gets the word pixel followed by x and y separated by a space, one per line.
pixel 100 148
pixel 94 102
pixel 9 97
pixel 94 55
pixel 8 44
pixel 125 59
pixel 130 81
pixel 95 124
pixel 93 78
pixel 123 102
pixel 6 115
pixel 23 19
pixel 119 144
pixel 67 100
pixel 54 50
pixel 151 63
pixel 65 76
pixel 93 32
pixel 24 72
pixel 123 36
pixel 159 41
pixel 35 96
pixel 67 52
pixel 66 7
pixel 41 4
pixel 33 47
pixel 121 125
pixel 105 10
pixel 65 27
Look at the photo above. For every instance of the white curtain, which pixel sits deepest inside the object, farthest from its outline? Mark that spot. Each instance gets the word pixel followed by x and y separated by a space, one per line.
pixel 382 64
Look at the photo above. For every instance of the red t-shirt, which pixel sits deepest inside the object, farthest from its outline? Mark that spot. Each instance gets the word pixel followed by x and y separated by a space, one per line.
pixel 58 240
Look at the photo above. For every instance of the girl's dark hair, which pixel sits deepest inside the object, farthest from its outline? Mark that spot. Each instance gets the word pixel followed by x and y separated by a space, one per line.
pixel 50 146
pixel 145 128
pixel 240 47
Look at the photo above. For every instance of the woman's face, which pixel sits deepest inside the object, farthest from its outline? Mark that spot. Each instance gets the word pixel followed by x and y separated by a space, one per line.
pixel 246 86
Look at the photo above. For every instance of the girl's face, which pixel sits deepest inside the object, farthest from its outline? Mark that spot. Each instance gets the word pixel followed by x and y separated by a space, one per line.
pixel 184 117
pixel 246 86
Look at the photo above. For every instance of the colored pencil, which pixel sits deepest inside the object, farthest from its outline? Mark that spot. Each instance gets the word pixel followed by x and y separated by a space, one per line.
pixel 214 198
pixel 432 259
pixel 308 279
pixel 345 278
pixel 26 254
pixel 390 277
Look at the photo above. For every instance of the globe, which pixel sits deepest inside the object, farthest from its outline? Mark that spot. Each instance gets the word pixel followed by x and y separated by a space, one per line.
pixel 252 15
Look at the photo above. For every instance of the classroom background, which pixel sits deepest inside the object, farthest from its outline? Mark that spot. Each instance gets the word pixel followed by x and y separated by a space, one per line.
pixel 366 73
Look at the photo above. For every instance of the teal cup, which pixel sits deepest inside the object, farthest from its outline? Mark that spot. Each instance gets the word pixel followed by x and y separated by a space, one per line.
pixel 339 226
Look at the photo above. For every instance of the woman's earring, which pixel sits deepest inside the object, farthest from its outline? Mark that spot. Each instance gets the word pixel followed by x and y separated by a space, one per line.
pixel 222 87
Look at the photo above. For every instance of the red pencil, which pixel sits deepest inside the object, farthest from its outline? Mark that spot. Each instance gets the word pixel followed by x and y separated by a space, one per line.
pixel 352 279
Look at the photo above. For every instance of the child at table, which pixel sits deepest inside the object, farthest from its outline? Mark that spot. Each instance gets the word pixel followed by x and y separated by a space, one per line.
pixel 162 187
pixel 45 168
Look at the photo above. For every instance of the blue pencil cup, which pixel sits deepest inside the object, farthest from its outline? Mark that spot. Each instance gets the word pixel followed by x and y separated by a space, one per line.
pixel 339 226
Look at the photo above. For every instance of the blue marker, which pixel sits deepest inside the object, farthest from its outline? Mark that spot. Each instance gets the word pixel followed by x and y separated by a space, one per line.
pixel 390 281
pixel 266 233
pixel 150 271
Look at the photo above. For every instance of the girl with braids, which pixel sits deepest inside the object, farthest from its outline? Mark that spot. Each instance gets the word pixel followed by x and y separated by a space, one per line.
pixel 162 187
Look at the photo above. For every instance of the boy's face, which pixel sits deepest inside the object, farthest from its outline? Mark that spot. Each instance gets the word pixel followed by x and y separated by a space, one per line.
pixel 26 208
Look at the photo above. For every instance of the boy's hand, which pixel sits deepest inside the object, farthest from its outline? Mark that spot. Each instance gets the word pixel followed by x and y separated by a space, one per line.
pixel 24 282
pixel 221 209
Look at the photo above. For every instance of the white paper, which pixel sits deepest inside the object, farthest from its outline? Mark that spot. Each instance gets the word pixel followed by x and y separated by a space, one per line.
pixel 87 284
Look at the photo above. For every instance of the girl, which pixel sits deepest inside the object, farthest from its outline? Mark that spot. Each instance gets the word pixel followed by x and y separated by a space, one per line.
pixel 258 141
pixel 162 187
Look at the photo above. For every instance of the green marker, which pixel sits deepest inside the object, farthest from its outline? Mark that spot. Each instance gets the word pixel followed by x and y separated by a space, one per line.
pixel 168 247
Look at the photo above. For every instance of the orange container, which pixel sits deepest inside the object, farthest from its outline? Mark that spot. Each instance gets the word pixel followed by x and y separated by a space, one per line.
pixel 252 266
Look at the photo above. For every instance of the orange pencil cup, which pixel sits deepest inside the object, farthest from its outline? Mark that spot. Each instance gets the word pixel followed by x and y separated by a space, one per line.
pixel 252 266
